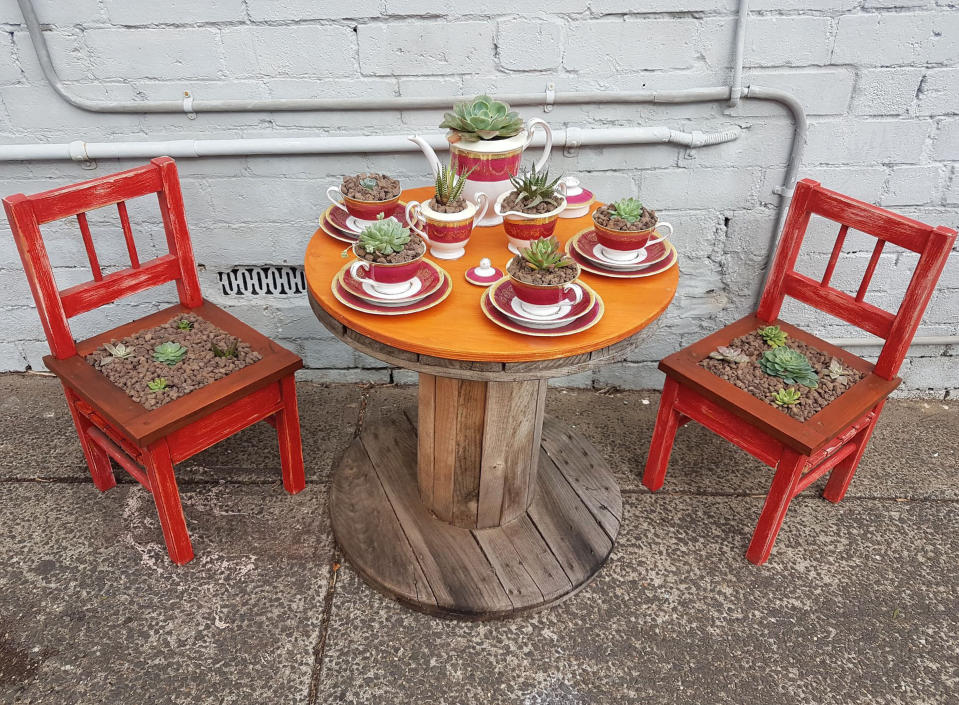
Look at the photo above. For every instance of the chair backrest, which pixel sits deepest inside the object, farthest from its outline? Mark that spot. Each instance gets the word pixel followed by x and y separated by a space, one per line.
pixel 932 245
pixel 27 213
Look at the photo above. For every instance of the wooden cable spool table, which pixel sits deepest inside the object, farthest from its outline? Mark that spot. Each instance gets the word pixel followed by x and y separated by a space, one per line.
pixel 478 507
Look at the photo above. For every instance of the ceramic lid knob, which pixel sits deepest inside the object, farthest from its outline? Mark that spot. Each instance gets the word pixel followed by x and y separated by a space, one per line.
pixel 484 274
pixel 572 186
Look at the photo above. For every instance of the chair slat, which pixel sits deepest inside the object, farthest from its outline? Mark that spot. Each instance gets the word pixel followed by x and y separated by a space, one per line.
pixel 870 269
pixel 88 244
pixel 90 295
pixel 862 314
pixel 128 234
pixel 834 257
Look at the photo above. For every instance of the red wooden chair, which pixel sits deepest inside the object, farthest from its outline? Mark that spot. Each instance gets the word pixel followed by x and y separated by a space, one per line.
pixel 147 444
pixel 835 438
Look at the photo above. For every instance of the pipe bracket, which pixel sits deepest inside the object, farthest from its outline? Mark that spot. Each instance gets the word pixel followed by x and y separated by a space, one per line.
pixel 550 97
pixel 188 105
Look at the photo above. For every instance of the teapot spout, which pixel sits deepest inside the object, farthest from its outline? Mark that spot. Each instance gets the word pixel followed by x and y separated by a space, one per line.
pixel 427 152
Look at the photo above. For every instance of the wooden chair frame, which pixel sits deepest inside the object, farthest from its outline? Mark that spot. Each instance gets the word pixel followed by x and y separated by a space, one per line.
pixel 835 438
pixel 110 425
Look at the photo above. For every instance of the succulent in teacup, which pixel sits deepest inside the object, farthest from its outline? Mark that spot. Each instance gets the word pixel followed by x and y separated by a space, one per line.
pixel 157 384
pixel 369 183
pixel 789 365
pixel 786 397
pixel 482 118
pixel 169 353
pixel 836 370
pixel 545 253
pixel 629 209
pixel 728 354
pixel 385 236
pixel 774 336
pixel 534 187
pixel 449 184
pixel 184 324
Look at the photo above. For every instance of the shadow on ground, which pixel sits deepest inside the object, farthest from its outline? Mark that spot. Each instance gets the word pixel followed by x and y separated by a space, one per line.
pixel 859 603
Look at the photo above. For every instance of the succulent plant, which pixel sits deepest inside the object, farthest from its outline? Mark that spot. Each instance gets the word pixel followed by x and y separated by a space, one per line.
pixel 544 253
pixel 728 354
pixel 774 336
pixel 789 365
pixel 482 119
pixel 629 209
pixel 184 324
pixel 534 187
pixel 786 397
pixel 157 384
pixel 837 371
pixel 385 236
pixel 169 353
pixel 449 184
pixel 369 183
pixel 229 351
pixel 117 352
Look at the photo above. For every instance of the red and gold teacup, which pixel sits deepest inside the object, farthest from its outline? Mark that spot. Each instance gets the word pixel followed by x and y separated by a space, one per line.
pixel 540 300
pixel 447 233
pixel 625 244
pixel 385 278
pixel 363 213
pixel 521 228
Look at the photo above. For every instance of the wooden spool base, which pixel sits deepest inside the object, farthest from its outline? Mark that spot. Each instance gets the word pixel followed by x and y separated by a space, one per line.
pixel 401 549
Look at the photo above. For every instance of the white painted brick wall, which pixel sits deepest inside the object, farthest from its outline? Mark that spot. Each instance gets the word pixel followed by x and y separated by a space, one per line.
pixel 878 78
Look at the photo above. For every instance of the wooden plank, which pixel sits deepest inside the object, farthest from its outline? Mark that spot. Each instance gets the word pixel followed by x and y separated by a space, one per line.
pixel 88 246
pixel 539 415
pixel 128 234
pixel 90 295
pixel 460 576
pixel 579 463
pixel 509 566
pixel 470 419
pixel 566 524
pixel 369 532
pixel 170 199
pixel 861 314
pixel 870 270
pixel 95 193
pixel 444 445
pixel 834 255
pixel 425 413
pixel 537 558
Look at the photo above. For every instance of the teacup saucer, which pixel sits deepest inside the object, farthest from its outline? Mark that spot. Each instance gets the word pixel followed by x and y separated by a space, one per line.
pixel 392 308
pixel 410 289
pixel 593 267
pixel 540 313
pixel 503 298
pixel 429 278
pixel 588 245
pixel 588 318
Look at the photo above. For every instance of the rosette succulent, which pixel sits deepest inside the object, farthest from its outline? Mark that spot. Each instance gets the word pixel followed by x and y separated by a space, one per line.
pixel 629 209
pixel 786 397
pixel 789 365
pixel 169 353
pixel 544 253
pixel 184 324
pixel 157 384
pixel 384 237
pixel 728 354
pixel 836 370
pixel 534 187
pixel 482 119
pixel 774 336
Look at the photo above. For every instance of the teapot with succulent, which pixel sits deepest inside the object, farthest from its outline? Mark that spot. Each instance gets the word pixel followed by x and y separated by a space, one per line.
pixel 487 140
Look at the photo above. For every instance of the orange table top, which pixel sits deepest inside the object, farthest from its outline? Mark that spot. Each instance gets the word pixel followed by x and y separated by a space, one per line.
pixel 457 328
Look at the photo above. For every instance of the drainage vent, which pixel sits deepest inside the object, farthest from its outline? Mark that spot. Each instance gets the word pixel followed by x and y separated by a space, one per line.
pixel 280 280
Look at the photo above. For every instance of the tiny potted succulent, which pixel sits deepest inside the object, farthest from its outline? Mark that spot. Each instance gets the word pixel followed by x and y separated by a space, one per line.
pixel 366 196
pixel 542 276
pixel 625 227
pixel 388 255
pixel 531 208
pixel 448 217
pixel 789 365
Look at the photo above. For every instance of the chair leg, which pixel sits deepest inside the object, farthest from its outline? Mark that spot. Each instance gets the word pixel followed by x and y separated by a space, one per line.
pixel 159 467
pixel 780 494
pixel 661 446
pixel 288 435
pixel 841 475
pixel 97 460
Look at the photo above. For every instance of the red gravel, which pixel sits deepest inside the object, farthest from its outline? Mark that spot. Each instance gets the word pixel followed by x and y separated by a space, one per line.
pixel 196 369
pixel 750 377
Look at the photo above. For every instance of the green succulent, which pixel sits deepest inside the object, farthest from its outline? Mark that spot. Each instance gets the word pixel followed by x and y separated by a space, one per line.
pixel 729 354
pixel 157 384
pixel 534 187
pixel 544 253
pixel 449 184
pixel 169 353
pixel 184 324
pixel 385 236
pixel 119 351
pixel 369 183
pixel 837 371
pixel 482 119
pixel 774 336
pixel 789 365
pixel 229 351
pixel 786 397
pixel 629 209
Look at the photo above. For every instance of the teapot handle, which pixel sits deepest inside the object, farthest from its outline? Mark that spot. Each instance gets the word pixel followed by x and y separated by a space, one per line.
pixel 531 125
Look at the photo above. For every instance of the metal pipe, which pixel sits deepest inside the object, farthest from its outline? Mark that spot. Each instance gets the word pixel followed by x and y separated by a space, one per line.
pixel 740 43
pixel 85 151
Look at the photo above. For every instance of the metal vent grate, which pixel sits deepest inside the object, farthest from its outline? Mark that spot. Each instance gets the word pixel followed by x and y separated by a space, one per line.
pixel 267 280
